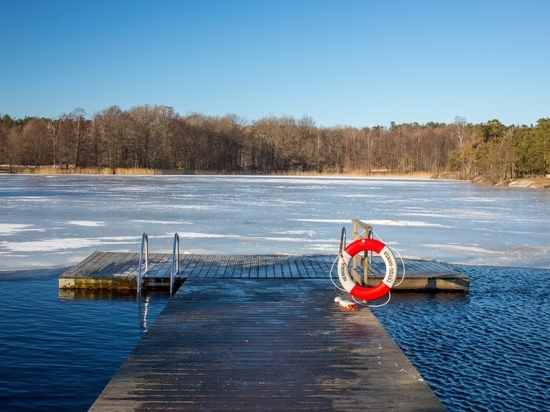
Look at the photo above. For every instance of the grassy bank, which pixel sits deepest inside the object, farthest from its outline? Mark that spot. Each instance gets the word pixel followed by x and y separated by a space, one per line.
pixel 51 170
pixel 538 182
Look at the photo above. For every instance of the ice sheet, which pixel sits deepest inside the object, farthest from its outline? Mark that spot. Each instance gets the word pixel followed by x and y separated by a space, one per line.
pixel 50 221
pixel 7 229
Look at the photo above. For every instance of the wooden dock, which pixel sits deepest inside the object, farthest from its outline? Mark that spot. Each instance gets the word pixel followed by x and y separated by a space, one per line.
pixel 259 333
pixel 118 271
pixel 264 339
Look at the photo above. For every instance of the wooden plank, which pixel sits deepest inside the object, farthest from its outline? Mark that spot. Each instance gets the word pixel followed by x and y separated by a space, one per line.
pixel 246 264
pixel 210 266
pixel 325 263
pixel 78 267
pixel 308 271
pixel 94 275
pixel 293 269
pixel 235 269
pixel 254 267
pixel 322 265
pixel 303 270
pixel 214 262
pixel 193 261
pixel 285 267
pixel 165 265
pixel 184 261
pixel 103 258
pixel 159 270
pixel 94 265
pixel 110 263
pixel 131 267
pixel 203 265
pixel 278 267
pixel 270 268
pixel 105 266
pixel 114 270
pixel 265 345
pixel 224 262
pixel 214 266
pixel 315 266
pixel 262 267
pixel 229 269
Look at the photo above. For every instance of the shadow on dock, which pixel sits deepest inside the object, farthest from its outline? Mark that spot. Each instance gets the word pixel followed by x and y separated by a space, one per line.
pixel 265 345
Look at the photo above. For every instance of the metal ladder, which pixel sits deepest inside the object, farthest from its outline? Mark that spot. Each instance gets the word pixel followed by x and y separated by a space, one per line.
pixel 144 262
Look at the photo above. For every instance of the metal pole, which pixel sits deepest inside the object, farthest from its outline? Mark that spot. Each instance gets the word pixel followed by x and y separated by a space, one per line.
pixel 144 244
pixel 175 261
pixel 342 240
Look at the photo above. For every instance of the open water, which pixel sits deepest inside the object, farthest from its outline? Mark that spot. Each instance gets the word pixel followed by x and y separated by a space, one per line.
pixel 482 351
pixel 485 350
pixel 58 354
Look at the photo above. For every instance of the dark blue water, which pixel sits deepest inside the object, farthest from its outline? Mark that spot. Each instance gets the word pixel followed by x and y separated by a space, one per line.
pixel 59 354
pixel 487 350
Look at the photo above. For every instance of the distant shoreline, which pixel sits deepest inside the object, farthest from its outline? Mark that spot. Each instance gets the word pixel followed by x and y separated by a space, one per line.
pixel 50 170
pixel 33 274
pixel 534 183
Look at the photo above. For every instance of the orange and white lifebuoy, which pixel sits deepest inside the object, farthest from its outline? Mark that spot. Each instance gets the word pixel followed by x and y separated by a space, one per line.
pixel 367 245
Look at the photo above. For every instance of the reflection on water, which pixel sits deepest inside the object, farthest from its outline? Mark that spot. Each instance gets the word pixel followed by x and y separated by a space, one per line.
pixel 143 306
pixel 142 303
pixel 58 350
pixel 96 294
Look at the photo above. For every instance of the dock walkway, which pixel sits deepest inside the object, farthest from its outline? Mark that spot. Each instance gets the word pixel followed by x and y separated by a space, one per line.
pixel 259 333
pixel 114 270
pixel 252 344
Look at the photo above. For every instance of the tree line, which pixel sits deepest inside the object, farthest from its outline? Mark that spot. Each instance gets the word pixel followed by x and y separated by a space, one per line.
pixel 156 137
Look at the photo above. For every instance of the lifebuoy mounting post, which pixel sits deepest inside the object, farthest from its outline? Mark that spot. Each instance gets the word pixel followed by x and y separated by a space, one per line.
pixel 361 230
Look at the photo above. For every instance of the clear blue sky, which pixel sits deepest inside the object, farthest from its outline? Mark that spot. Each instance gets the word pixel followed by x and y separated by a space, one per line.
pixel 358 63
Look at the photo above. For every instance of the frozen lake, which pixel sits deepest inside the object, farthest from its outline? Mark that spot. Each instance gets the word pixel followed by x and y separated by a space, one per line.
pixel 479 351
pixel 52 221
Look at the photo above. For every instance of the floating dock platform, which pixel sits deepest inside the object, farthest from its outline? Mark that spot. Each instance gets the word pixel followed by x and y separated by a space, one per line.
pixel 118 271
pixel 259 333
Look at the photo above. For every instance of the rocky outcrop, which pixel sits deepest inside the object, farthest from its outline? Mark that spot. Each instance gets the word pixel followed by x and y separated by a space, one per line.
pixel 536 182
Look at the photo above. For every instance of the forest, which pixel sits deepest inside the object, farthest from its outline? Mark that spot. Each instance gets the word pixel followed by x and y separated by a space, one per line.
pixel 157 138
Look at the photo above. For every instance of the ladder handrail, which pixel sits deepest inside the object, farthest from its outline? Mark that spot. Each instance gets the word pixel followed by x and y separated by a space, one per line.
pixel 144 244
pixel 342 240
pixel 175 261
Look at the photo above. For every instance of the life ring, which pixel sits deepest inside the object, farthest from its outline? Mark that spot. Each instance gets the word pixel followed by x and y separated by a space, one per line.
pixel 360 292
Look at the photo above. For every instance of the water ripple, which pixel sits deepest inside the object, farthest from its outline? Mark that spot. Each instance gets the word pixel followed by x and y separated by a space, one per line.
pixel 57 354
pixel 483 351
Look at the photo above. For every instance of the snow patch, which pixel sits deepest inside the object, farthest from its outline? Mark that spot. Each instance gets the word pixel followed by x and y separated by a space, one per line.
pixel 60 244
pixel 13 228
pixel 386 222
pixel 86 223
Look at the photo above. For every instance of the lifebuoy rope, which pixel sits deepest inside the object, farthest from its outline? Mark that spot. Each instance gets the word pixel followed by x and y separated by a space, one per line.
pixel 366 246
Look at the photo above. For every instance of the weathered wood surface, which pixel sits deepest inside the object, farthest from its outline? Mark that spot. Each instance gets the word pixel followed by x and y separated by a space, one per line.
pixel 113 270
pixel 257 344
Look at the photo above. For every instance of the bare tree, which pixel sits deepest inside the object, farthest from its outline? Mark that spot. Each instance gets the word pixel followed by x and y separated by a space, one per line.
pixel 79 133
pixel 460 131
pixel 34 140
pixel 13 147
